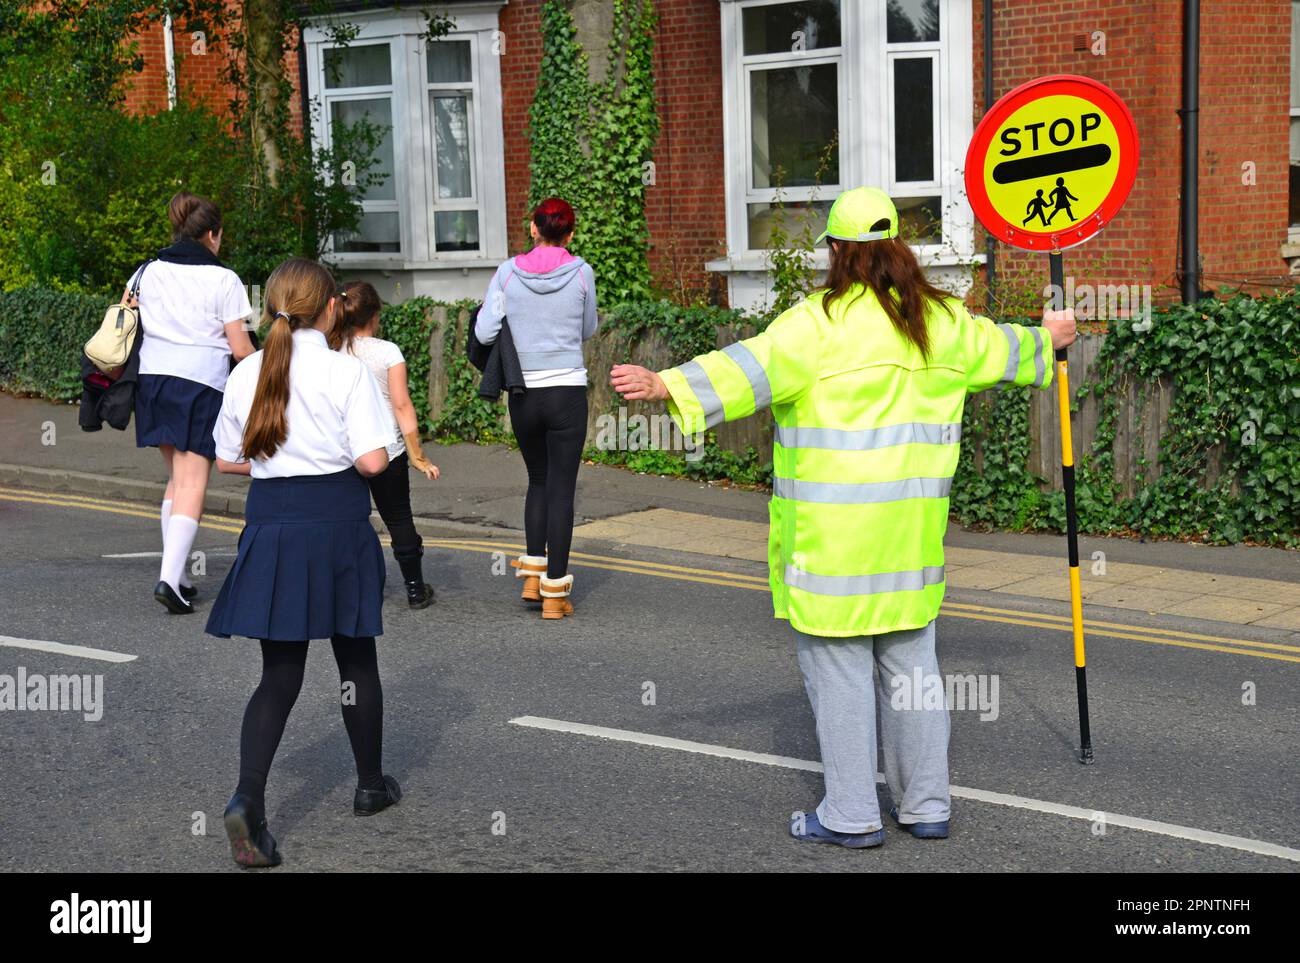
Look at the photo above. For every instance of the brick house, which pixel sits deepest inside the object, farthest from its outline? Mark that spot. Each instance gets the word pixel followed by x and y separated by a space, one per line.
pixel 745 86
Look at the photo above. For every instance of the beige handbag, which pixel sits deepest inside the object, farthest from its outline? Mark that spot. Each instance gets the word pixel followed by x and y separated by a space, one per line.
pixel 111 345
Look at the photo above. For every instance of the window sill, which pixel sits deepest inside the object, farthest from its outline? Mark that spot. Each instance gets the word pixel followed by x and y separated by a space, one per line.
pixel 363 262
pixel 756 261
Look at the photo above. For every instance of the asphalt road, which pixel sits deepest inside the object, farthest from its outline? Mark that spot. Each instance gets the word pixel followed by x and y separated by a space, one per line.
pixel 1174 741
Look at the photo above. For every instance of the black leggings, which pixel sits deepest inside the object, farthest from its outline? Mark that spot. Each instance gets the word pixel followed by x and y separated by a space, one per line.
pixel 392 493
pixel 268 710
pixel 550 425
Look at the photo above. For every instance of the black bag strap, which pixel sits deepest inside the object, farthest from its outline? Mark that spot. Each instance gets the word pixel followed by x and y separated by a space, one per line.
pixel 133 291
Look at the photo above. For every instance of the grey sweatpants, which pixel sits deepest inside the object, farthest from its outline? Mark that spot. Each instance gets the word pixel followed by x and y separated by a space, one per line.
pixel 838 676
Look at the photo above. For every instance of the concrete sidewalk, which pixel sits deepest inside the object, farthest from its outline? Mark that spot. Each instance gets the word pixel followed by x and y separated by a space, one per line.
pixel 481 493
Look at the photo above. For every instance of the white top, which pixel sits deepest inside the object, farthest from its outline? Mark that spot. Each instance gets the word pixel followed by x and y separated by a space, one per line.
pixel 379 355
pixel 184 309
pixel 555 377
pixel 335 411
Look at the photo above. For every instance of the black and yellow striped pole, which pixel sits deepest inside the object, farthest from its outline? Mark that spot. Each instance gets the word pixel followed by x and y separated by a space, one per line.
pixel 1057 269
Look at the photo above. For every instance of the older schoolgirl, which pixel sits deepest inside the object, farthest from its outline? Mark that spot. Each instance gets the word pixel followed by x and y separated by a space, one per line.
pixel 549 297
pixel 308 424
pixel 192 312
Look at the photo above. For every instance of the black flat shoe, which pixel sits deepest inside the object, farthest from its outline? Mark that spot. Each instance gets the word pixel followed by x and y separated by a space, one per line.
pixel 172 602
pixel 251 843
pixel 189 592
pixel 367 802
pixel 419 595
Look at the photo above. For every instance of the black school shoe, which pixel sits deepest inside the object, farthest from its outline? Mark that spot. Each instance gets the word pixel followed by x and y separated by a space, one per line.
pixel 419 594
pixel 367 802
pixel 251 843
pixel 189 592
pixel 172 602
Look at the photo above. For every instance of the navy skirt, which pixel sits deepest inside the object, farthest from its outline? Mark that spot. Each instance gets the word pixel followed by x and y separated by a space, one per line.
pixel 309 563
pixel 176 411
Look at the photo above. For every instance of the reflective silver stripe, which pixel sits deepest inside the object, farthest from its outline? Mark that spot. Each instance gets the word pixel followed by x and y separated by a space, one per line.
pixel 840 439
pixel 1040 367
pixel 1013 353
pixel 745 359
pixel 699 381
pixel 866 493
pixel 911 581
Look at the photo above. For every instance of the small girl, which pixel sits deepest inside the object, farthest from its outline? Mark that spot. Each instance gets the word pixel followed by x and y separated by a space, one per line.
pixel 307 424
pixel 357 334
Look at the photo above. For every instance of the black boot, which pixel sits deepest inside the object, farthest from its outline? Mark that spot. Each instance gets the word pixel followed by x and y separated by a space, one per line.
pixel 419 594
pixel 367 802
pixel 251 843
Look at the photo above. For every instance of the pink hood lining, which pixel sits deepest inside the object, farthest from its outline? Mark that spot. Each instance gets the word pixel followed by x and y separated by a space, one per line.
pixel 543 260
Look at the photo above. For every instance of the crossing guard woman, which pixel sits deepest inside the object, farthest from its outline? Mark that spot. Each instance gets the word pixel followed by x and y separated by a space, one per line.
pixel 307 424
pixel 866 379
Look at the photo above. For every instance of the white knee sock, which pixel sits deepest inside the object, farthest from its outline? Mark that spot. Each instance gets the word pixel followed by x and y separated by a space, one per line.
pixel 165 516
pixel 177 543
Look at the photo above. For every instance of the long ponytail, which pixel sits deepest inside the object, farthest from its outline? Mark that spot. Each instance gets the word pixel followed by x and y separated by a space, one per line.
pixel 297 293
pixel 889 269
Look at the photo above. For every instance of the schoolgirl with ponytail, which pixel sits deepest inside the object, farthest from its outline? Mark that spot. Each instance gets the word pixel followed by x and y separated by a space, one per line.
pixel 309 425
pixel 357 333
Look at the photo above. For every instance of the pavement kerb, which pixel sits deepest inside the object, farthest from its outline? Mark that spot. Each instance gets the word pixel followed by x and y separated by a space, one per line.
pixel 216 502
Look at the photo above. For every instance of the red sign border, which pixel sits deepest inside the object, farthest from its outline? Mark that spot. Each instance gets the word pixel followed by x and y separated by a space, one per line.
pixel 1074 85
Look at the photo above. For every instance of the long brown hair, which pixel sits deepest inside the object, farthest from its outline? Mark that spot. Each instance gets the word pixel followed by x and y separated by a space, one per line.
pixel 889 269
pixel 359 305
pixel 297 293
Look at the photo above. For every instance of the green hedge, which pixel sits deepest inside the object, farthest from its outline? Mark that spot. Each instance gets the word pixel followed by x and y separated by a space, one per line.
pixel 42 333
pixel 1233 364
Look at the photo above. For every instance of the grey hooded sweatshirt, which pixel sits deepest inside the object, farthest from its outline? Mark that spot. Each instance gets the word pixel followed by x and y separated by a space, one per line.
pixel 550 298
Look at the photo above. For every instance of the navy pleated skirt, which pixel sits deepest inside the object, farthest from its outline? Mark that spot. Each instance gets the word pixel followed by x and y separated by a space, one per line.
pixel 309 563
pixel 176 411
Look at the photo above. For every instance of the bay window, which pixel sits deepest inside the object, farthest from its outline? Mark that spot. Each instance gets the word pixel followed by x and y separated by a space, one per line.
pixel 438 103
pixel 823 95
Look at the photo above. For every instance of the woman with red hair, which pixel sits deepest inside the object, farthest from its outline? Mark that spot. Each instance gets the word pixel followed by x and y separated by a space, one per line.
pixel 549 297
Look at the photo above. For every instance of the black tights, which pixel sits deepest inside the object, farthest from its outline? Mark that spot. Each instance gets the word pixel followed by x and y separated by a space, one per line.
pixel 268 710
pixel 550 425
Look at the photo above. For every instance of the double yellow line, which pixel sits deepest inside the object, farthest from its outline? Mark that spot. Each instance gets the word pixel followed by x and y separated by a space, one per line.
pixel 1116 630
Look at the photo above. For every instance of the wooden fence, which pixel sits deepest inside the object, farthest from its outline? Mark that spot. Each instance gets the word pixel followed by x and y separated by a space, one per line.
pixel 1143 413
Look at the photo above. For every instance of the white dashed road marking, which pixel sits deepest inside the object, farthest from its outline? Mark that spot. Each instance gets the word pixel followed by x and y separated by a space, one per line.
pixel 960 792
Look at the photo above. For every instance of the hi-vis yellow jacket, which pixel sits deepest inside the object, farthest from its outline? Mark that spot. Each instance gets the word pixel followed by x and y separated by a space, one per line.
pixel 867 438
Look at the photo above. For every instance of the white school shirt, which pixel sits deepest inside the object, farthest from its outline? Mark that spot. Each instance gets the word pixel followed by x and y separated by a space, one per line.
pixel 335 411
pixel 184 309
pixel 379 355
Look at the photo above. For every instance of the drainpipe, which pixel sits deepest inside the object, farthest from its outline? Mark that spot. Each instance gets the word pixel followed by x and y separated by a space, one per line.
pixel 1190 114
pixel 169 55
pixel 990 245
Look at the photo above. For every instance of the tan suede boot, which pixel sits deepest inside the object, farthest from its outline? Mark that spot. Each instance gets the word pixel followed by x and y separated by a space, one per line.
pixel 555 597
pixel 530 568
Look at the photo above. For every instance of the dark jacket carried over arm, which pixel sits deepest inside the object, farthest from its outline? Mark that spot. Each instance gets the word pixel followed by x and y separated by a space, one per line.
pixel 498 361
pixel 105 400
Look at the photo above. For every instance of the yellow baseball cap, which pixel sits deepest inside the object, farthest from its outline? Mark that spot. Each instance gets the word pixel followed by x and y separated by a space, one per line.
pixel 856 215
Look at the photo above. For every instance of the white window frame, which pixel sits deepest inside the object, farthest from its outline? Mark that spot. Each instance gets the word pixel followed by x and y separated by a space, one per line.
pixel 328 96
pixel 866 91
pixel 413 159
pixel 475 201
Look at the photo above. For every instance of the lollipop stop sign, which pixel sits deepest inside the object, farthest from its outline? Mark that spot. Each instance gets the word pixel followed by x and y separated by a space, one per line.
pixel 1052 163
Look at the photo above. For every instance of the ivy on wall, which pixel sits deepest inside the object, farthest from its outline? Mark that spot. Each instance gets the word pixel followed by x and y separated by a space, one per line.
pixel 465 415
pixel 591 142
